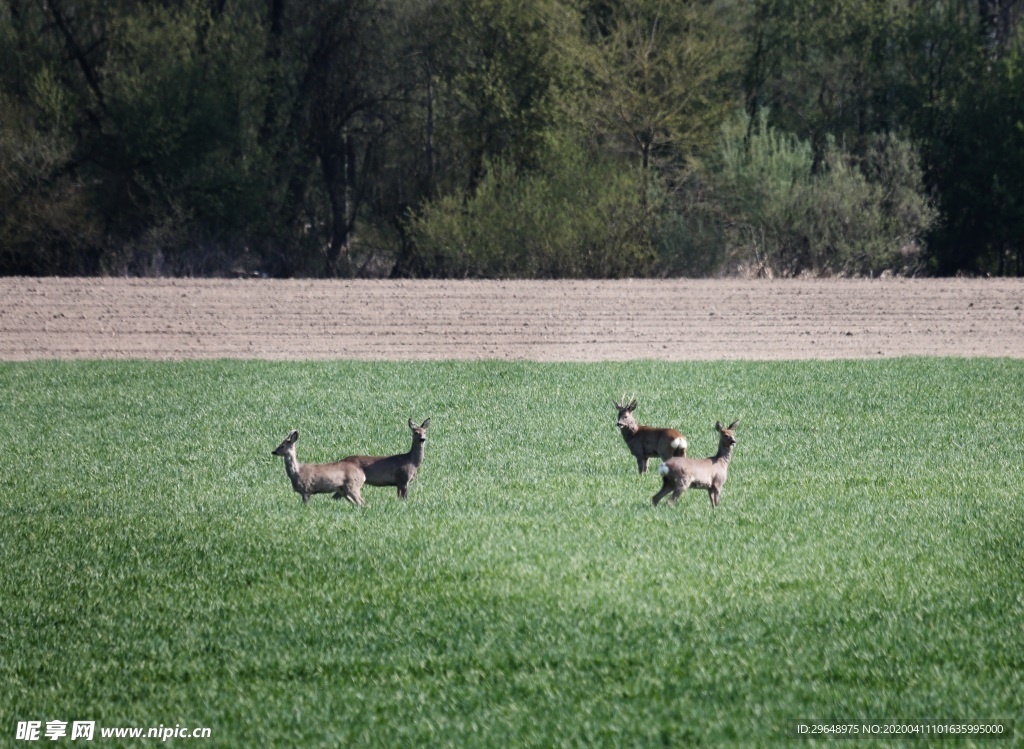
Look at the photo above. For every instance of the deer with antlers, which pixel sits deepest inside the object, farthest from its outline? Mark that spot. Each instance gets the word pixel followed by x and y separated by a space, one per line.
pixel 645 442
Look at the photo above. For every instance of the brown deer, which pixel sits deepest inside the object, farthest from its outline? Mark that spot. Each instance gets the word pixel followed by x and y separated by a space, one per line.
pixel 679 474
pixel 394 470
pixel 343 477
pixel 645 442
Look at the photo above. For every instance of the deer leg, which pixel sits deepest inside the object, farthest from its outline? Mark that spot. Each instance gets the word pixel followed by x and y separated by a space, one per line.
pixel 305 498
pixel 641 464
pixel 352 487
pixel 666 487
pixel 681 486
pixel 353 496
pixel 405 478
pixel 715 493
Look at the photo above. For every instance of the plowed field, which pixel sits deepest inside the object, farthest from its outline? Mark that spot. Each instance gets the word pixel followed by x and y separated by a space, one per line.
pixel 108 318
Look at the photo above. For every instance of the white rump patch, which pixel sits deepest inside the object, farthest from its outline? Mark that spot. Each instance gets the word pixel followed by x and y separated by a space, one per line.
pixel 679 442
pixel 663 469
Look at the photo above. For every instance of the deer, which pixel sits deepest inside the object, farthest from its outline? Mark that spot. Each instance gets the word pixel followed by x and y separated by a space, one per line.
pixel 679 474
pixel 347 476
pixel 394 470
pixel 343 477
pixel 645 442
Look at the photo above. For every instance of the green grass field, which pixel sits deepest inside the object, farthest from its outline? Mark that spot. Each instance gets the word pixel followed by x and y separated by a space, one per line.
pixel 156 568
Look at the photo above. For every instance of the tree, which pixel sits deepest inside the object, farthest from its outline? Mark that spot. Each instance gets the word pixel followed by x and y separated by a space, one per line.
pixel 507 79
pixel 660 71
pixel 310 137
pixel 939 73
pixel 48 222
pixel 825 69
pixel 962 62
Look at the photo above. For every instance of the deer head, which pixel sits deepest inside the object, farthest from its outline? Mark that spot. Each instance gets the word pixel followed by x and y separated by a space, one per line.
pixel 727 437
pixel 285 446
pixel 626 413
pixel 419 433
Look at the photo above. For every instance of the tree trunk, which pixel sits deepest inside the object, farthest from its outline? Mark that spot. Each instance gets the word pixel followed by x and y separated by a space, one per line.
pixel 336 169
pixel 431 175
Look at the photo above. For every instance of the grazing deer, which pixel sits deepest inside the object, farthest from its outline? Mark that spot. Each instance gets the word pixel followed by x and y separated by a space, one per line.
pixel 394 470
pixel 679 474
pixel 343 477
pixel 645 442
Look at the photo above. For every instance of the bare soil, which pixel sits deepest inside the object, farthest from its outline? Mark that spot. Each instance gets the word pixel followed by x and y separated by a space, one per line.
pixel 173 319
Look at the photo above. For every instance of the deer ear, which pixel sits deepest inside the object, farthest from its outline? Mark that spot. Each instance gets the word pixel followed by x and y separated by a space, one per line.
pixel 425 424
pixel 734 425
pixel 719 427
pixel 293 437
pixel 618 405
pixel 411 425
pixel 632 405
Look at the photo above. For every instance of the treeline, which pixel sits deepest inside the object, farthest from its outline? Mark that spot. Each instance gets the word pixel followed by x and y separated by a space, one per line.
pixel 488 138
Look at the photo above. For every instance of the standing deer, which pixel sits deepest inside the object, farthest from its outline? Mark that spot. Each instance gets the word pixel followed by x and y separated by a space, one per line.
pixel 394 470
pixel 343 477
pixel 679 474
pixel 645 442
pixel 346 477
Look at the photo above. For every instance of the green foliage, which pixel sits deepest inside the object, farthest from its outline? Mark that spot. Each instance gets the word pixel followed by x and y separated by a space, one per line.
pixel 936 71
pixel 47 223
pixel 507 74
pixel 977 155
pixel 692 238
pixel 47 219
pixel 297 138
pixel 826 68
pixel 782 211
pixel 174 93
pixel 661 71
pixel 580 216
pixel 157 568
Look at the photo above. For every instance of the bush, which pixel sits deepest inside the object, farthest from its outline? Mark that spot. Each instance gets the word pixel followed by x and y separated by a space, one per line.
pixel 774 205
pixel 47 223
pixel 579 216
pixel 692 237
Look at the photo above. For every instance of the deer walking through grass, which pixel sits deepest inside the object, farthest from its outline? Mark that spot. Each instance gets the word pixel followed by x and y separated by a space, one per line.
pixel 680 474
